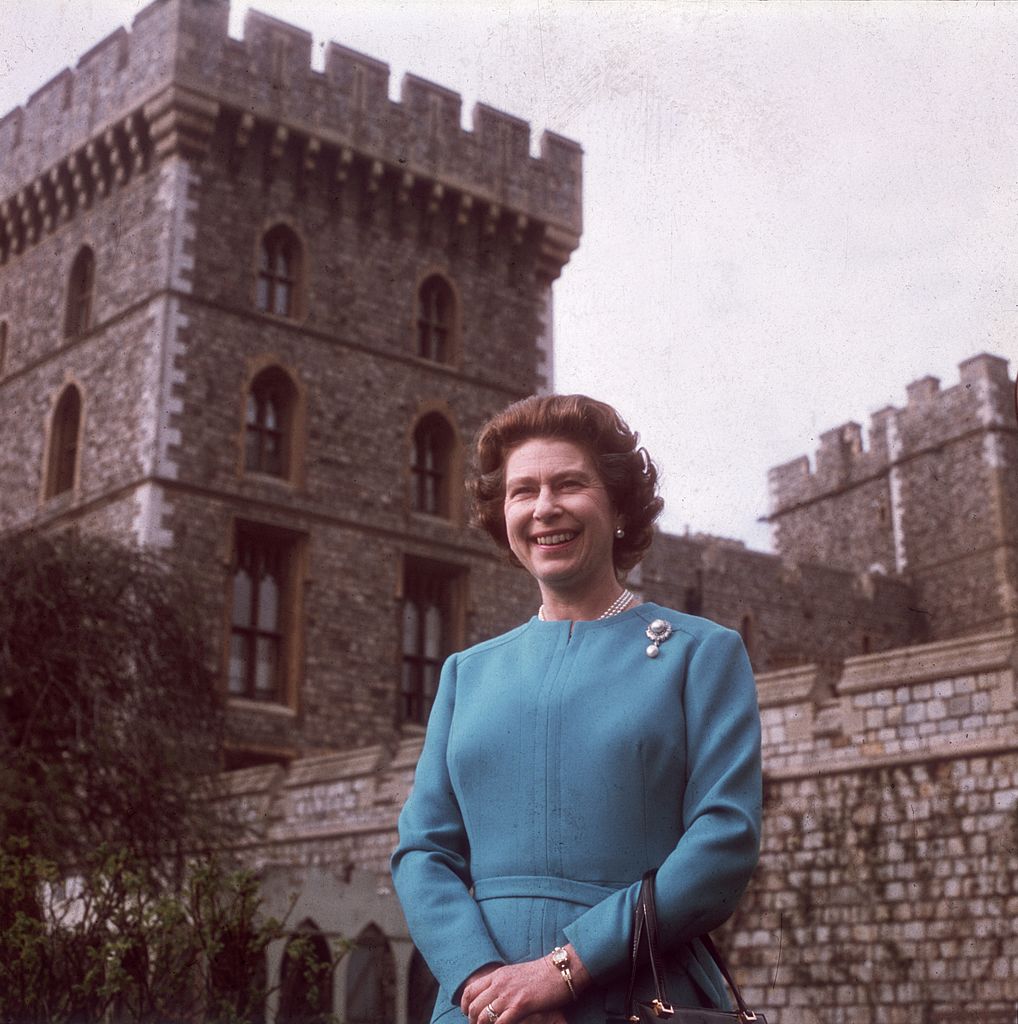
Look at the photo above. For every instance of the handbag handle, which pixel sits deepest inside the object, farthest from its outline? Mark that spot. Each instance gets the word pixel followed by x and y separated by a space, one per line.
pixel 645 928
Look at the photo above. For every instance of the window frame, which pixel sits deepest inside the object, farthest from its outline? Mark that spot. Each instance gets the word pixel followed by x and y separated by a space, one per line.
pixel 289 549
pixel 268 279
pixel 427 584
pixel 372 949
pixel 422 984
pixel 80 305
pixel 437 331
pixel 747 631
pixel 270 378
pixel 63 444
pixel 441 471
pixel 294 990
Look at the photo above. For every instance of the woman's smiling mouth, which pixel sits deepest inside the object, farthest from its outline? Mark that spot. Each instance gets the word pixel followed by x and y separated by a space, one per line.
pixel 547 540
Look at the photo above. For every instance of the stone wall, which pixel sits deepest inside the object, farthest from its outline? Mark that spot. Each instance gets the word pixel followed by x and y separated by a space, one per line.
pixel 933 498
pixel 787 614
pixel 888 886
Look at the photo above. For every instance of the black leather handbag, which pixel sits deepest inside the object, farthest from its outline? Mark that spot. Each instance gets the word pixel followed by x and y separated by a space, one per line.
pixel 645 933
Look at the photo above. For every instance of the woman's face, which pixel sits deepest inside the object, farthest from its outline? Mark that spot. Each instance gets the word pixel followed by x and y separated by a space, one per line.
pixel 559 518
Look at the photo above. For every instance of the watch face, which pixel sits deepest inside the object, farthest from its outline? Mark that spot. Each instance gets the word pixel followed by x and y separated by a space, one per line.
pixel 560 958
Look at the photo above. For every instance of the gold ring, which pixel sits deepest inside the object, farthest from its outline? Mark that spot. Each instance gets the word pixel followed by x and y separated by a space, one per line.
pixel 492 1013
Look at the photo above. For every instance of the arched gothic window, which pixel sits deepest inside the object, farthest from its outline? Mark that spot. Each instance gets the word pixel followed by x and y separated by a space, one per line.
pixel 370 980
pixel 305 995
pixel 64 441
pixel 279 270
pixel 260 587
pixel 80 286
pixel 431 465
pixel 436 319
pixel 422 989
pixel 746 631
pixel 269 423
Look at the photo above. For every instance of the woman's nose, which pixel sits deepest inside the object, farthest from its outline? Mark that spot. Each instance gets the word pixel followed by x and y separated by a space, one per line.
pixel 546 504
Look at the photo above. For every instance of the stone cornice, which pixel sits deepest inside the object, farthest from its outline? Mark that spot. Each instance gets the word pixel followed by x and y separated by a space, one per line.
pixel 787 686
pixel 347 165
pixel 945 659
pixel 108 160
pixel 182 121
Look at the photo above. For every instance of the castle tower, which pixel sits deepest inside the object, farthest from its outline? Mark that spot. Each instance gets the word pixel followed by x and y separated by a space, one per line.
pixel 934 499
pixel 251 314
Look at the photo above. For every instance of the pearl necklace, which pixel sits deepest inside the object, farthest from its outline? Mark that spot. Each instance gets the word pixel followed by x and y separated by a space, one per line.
pixel 619 604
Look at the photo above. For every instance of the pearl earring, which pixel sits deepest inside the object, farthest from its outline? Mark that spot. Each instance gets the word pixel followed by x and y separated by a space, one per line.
pixel 619 532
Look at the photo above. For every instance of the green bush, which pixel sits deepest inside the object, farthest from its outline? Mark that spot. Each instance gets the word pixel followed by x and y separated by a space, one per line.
pixel 116 944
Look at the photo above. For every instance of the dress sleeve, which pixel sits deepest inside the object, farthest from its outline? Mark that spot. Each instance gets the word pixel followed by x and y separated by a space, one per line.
pixel 701 880
pixel 431 863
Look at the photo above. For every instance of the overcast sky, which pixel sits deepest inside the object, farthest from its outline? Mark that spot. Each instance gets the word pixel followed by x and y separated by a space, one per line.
pixel 791 209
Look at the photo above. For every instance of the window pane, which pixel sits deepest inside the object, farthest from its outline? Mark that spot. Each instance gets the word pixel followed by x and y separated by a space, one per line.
pixel 282 299
pixel 252 410
pixel 433 632
pixel 282 262
pixel 238 664
pixel 428 451
pixel 431 675
pixel 411 676
pixel 242 593
pixel 262 300
pixel 270 417
pixel 64 443
pixel 273 457
pixel 305 995
pixel 363 987
pixel 268 604
pixel 421 991
pixel 266 651
pixel 431 303
pixel 410 627
pixel 252 455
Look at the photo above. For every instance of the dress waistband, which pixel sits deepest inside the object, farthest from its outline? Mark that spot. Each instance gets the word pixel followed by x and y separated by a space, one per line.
pixel 565 889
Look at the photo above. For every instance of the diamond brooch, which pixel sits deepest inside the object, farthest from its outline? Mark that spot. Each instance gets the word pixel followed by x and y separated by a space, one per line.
pixel 657 632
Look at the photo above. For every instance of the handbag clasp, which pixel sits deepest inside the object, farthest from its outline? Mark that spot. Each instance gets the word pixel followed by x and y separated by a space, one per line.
pixel 662 1010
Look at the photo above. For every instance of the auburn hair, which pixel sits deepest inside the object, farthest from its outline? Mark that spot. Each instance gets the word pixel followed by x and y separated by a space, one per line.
pixel 624 467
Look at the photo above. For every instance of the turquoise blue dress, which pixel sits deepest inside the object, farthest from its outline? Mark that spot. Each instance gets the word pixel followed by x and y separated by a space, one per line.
pixel 559 766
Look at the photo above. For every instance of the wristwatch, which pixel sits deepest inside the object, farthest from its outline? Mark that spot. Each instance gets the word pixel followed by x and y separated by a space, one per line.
pixel 560 958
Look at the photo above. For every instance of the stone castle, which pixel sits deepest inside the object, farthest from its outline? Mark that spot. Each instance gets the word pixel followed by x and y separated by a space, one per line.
pixel 251 314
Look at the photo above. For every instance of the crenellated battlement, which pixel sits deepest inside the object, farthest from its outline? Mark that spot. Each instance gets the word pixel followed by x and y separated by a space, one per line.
pixel 177 78
pixel 931 417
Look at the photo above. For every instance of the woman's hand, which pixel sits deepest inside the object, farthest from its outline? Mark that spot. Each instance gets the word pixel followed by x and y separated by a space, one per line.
pixel 516 992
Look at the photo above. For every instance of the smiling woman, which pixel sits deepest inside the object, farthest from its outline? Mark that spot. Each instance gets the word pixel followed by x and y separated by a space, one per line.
pixel 567 757
pixel 560 524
